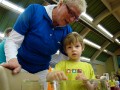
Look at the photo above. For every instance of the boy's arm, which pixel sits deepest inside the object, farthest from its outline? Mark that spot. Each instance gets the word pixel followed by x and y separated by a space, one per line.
pixel 86 82
pixel 56 75
pixel 89 85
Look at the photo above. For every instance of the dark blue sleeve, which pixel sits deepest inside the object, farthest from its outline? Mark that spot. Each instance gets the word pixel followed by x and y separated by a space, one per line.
pixel 69 30
pixel 23 21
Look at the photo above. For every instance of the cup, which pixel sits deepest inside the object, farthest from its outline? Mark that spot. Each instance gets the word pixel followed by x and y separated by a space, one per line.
pixel 32 85
pixel 78 85
pixel 69 85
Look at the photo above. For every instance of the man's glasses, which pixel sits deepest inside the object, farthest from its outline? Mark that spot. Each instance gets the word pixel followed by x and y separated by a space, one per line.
pixel 72 14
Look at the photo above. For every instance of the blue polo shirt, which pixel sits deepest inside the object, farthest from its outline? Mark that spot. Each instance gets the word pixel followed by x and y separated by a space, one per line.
pixel 41 40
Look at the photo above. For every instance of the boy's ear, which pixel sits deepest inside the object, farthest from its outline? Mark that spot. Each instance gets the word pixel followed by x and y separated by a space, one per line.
pixel 65 52
pixel 82 49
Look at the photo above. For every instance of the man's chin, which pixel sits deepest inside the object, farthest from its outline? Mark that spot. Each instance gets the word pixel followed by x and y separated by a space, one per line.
pixel 61 25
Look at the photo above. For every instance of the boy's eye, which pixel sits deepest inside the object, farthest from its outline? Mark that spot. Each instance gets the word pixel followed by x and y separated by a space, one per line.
pixel 69 47
pixel 77 45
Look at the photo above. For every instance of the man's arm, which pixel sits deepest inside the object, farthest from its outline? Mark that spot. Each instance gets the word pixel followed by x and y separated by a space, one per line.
pixel 11 46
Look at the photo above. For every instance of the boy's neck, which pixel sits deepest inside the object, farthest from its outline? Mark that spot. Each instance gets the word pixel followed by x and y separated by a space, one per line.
pixel 75 60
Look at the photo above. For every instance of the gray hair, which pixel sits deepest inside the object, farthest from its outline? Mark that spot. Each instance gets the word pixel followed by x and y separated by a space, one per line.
pixel 81 4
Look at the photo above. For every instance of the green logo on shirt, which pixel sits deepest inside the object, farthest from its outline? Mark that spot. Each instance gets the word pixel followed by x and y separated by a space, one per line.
pixel 73 71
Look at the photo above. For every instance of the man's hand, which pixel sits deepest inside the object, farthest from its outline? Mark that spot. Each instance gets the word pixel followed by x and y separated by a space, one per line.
pixel 13 65
pixel 56 75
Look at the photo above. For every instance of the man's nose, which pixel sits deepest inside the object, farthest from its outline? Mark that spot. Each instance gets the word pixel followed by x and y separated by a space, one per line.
pixel 72 19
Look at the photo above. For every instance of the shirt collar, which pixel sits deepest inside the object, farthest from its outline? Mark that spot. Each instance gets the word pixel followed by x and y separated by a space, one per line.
pixel 49 9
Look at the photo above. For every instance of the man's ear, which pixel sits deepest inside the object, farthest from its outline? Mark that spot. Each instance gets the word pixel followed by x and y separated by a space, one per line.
pixel 60 2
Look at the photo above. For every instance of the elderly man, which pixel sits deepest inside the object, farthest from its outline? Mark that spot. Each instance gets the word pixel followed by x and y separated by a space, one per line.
pixel 38 33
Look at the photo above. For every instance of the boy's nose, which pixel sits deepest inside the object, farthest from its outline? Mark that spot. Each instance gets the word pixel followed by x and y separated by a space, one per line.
pixel 73 48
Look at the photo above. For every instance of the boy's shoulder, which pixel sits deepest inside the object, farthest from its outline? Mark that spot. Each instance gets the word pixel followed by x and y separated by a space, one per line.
pixel 86 64
pixel 63 61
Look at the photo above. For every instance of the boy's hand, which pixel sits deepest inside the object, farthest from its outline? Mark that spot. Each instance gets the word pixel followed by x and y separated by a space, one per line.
pixel 86 82
pixel 56 75
pixel 82 77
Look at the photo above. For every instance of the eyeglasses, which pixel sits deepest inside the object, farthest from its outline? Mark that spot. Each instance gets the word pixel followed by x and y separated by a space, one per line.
pixel 72 14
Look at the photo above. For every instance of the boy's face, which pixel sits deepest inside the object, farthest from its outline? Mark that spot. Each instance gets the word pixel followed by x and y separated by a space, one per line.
pixel 74 51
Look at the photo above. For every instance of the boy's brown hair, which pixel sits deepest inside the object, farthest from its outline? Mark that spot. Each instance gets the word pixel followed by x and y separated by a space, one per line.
pixel 72 38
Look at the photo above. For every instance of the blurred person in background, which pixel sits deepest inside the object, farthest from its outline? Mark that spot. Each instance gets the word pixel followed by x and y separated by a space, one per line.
pixel 112 82
pixel 104 82
pixel 117 74
pixel 2 50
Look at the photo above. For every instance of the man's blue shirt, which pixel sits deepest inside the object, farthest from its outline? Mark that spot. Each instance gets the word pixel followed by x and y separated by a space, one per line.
pixel 41 40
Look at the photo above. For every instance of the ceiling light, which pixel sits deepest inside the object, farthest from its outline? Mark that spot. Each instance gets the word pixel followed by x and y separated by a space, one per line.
pixel 108 52
pixel 96 46
pixel 12 6
pixel 20 9
pixel 1 1
pixel 91 44
pixel 104 30
pixel 85 15
pixel 84 59
pixel 9 4
pixel 105 50
pixel 117 41
pixel 2 35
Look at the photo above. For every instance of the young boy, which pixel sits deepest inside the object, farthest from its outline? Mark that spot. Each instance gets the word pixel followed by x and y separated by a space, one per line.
pixel 73 69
